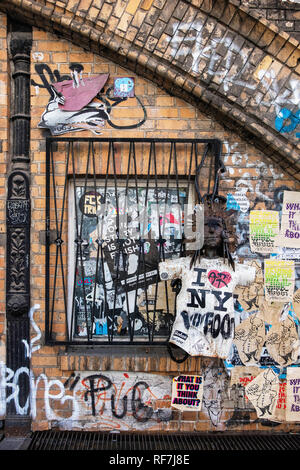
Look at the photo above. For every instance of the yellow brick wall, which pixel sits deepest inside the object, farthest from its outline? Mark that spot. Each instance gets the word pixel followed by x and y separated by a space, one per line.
pixel 168 117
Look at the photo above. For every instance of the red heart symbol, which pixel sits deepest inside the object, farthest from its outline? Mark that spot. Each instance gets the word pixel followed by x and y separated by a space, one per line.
pixel 219 279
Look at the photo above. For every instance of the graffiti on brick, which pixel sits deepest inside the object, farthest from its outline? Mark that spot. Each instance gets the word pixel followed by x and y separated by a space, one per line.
pixel 287 121
pixel 91 116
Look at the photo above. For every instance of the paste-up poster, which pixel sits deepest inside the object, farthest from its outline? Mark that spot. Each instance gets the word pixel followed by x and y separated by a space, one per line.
pixel 264 227
pixel 282 342
pixel 296 303
pixel 241 375
pixel 187 392
pixel 293 394
pixel 249 339
pixel 271 311
pixel 263 393
pixel 289 235
pixel 251 296
pixel 279 280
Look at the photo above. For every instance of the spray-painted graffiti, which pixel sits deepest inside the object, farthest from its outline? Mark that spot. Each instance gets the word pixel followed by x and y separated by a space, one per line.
pixel 92 116
pixel 117 400
pixel 286 121
pixel 201 48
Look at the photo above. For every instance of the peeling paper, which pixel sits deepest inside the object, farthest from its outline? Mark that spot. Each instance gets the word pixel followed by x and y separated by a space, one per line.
pixel 271 311
pixel 282 342
pixel 263 393
pixel 187 392
pixel 249 339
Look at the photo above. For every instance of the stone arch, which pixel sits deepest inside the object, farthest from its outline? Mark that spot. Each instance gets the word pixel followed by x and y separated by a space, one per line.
pixel 215 54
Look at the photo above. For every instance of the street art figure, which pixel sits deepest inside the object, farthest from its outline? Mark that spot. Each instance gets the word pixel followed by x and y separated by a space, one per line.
pixel 283 343
pixel 78 103
pixel 263 392
pixel 214 392
pixel 249 339
pixel 205 319
pixel 61 115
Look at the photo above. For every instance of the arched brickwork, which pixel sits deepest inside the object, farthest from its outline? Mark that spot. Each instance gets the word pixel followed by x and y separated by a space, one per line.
pixel 216 54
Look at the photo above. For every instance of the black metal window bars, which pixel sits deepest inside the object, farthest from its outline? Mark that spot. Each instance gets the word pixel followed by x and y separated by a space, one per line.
pixel 92 294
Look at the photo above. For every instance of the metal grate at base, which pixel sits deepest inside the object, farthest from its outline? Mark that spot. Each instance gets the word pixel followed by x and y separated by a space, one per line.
pixel 88 440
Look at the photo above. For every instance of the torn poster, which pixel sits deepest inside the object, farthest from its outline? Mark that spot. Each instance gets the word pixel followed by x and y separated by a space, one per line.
pixel 263 393
pixel 205 317
pixel 187 392
pixel 279 280
pixel 293 394
pixel 249 339
pixel 251 297
pixel 290 221
pixel 271 311
pixel 264 227
pixel 282 342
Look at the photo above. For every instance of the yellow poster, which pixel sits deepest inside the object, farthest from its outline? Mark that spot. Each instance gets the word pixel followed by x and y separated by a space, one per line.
pixel 279 280
pixel 264 227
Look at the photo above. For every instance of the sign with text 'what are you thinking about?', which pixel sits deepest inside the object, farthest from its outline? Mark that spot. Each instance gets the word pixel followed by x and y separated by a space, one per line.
pixel 279 280
pixel 264 227
pixel 187 392
pixel 289 235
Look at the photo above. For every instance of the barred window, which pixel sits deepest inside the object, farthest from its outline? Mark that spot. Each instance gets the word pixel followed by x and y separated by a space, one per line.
pixel 114 209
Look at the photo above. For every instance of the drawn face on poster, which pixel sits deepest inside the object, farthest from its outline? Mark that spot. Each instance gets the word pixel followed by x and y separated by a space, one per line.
pixel 114 268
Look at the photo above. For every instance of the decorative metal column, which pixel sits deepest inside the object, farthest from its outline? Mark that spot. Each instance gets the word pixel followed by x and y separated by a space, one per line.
pixel 18 235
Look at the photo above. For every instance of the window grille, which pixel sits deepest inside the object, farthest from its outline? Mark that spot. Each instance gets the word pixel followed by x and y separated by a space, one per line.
pixel 114 209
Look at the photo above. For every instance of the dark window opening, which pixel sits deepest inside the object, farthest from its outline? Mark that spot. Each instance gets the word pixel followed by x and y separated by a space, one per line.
pixel 117 208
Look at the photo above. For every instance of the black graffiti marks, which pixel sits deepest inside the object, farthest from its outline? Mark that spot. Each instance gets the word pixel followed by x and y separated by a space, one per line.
pixel 91 116
pixel 131 402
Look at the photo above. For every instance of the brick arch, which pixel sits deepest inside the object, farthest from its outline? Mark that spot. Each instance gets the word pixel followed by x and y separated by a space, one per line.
pixel 215 54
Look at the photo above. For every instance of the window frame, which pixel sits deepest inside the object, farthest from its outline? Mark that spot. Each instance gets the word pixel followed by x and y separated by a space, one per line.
pixel 215 147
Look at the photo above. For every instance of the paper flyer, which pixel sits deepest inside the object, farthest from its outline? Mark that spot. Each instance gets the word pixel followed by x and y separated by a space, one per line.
pixel 187 392
pixel 289 235
pixel 249 339
pixel 264 227
pixel 282 342
pixel 263 393
pixel 293 394
pixel 279 280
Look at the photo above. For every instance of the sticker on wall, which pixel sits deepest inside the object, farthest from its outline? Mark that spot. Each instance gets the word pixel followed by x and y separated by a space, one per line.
pixel 263 393
pixel 187 392
pixel 290 221
pixel 293 394
pixel 249 339
pixel 124 87
pixel 282 342
pixel 238 200
pixel 91 203
pixel 279 280
pixel 264 227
